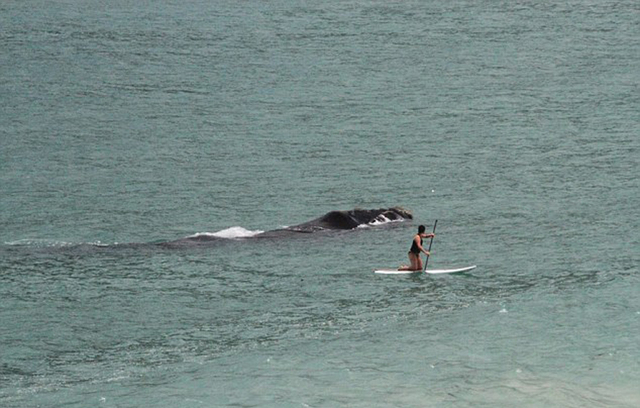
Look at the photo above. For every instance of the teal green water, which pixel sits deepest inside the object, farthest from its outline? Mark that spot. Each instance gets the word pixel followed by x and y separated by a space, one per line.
pixel 514 124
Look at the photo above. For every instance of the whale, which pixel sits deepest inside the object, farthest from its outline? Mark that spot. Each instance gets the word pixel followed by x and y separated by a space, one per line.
pixel 338 220
pixel 347 220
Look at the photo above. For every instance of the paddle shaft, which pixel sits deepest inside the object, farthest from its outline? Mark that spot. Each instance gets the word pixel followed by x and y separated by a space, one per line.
pixel 426 262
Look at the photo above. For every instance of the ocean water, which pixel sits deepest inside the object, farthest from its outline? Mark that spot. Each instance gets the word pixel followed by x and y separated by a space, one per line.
pixel 128 126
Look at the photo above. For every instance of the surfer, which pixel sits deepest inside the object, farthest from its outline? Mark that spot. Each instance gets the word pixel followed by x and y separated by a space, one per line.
pixel 416 249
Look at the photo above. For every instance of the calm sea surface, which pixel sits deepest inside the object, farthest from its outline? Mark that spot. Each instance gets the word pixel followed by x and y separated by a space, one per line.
pixel 126 125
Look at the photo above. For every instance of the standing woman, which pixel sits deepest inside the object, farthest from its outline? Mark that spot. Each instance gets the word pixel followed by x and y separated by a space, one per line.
pixel 416 249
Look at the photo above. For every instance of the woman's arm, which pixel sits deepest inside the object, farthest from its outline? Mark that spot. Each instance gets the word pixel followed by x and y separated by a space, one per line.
pixel 430 235
pixel 417 240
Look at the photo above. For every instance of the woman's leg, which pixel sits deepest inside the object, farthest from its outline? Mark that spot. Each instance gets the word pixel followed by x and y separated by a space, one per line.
pixel 412 263
pixel 415 261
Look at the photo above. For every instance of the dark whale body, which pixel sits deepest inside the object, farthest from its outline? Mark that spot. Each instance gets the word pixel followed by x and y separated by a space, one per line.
pixel 331 221
pixel 346 220
pixel 342 220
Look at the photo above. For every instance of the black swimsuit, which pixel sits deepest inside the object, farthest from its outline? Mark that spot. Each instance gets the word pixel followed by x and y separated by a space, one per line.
pixel 414 248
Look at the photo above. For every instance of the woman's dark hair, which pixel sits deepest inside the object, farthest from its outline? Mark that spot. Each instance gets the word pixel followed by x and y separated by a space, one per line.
pixel 421 229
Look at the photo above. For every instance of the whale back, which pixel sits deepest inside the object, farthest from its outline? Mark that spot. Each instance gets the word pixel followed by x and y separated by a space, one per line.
pixel 346 220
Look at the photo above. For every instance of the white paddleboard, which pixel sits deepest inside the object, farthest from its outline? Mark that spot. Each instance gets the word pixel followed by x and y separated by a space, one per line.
pixel 429 271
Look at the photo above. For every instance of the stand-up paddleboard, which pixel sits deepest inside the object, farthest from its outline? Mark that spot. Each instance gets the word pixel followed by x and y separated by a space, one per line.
pixel 428 272
pixel 425 270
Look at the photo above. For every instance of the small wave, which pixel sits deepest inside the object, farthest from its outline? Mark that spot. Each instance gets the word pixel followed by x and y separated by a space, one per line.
pixel 40 243
pixel 229 233
pixel 52 243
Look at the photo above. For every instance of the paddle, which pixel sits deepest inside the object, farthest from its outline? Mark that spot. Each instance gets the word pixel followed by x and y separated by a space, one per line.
pixel 426 262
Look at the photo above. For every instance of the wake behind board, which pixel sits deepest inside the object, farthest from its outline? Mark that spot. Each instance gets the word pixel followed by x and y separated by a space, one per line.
pixel 429 271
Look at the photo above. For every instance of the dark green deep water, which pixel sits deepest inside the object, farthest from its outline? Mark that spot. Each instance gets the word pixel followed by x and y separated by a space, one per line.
pixel 125 125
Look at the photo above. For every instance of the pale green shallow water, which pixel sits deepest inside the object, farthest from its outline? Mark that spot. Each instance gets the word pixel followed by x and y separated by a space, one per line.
pixel 515 124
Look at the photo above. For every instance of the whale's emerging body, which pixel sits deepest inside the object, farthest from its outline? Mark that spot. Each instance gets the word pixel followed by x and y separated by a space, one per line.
pixel 346 220
pixel 331 221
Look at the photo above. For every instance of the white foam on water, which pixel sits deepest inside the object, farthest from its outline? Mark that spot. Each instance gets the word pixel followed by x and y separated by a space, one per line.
pixel 229 233
pixel 41 243
pixel 51 243
pixel 381 220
